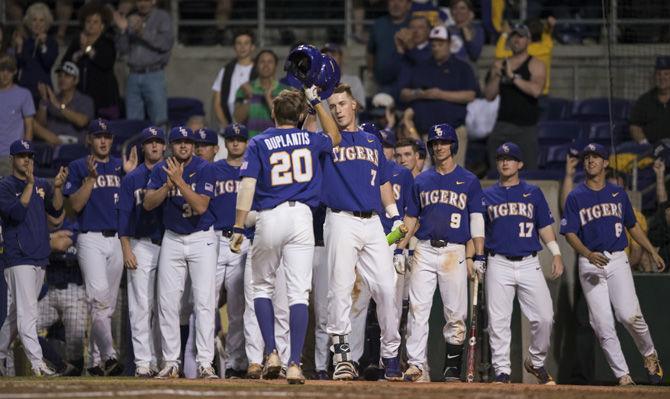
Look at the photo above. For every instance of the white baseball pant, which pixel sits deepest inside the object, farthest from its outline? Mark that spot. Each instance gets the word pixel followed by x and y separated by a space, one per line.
pixel 24 283
pixel 101 263
pixel 194 255
pixel 358 245
pixel 253 340
pixel 446 268
pixel 142 301
pixel 612 287
pixel 320 287
pixel 504 279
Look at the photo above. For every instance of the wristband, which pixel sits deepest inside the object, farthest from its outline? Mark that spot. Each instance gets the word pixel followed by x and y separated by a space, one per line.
pixel 410 252
pixel 481 258
pixel 398 251
pixel 238 230
pixel 553 248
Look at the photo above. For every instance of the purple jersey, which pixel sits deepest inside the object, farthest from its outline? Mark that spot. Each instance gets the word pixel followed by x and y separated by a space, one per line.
pixel 443 204
pixel 599 217
pixel 354 172
pixel 178 215
pixel 514 215
pixel 225 194
pixel 401 182
pixel 285 164
pixel 100 212
pixel 134 220
pixel 24 228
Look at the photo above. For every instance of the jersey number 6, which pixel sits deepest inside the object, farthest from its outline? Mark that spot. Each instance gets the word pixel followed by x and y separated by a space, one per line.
pixel 289 167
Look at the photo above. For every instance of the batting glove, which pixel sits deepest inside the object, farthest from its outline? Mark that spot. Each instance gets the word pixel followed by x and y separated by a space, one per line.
pixel 399 261
pixel 480 265
pixel 312 94
pixel 236 240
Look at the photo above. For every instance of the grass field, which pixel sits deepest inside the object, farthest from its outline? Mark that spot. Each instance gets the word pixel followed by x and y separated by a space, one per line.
pixel 28 388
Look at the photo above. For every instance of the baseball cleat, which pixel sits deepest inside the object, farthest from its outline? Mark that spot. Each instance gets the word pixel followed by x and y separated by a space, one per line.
pixel 294 374
pixel 272 366
pixel 654 369
pixel 392 369
pixel 502 378
pixel 3 369
pixel 113 367
pixel 282 373
pixel 207 373
pixel 254 371
pixel 626 381
pixel 144 372
pixel 321 375
pixel 452 374
pixel 345 371
pixel 168 372
pixel 44 371
pixel 234 374
pixel 95 371
pixel 373 373
pixel 413 374
pixel 540 373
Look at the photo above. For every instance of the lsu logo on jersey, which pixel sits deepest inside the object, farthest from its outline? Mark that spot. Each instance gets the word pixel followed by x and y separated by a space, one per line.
pixel 598 211
pixel 103 181
pixel 226 187
pixel 447 197
pixel 511 209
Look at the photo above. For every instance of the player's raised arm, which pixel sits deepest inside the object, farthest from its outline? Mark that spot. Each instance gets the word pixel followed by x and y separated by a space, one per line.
pixel 326 119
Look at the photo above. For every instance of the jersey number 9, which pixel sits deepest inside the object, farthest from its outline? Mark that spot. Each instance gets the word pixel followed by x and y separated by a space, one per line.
pixel 291 167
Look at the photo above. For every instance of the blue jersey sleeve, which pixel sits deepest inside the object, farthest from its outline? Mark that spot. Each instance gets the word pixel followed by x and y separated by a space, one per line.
pixel 475 198
pixel 543 215
pixel 126 204
pixel 10 204
pixel 413 207
pixel 74 178
pixel 251 166
pixel 324 145
pixel 407 185
pixel 629 218
pixel 157 178
pixel 570 221
pixel 385 168
pixel 206 181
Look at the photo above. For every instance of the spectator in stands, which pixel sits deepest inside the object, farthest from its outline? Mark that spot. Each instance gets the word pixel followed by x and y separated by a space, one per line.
pixel 659 226
pixel 36 51
pixel 253 100
pixel 407 155
pixel 650 117
pixel 467 36
pixel 383 59
pixel 63 117
pixel 16 113
pixel 519 80
pixel 94 52
pixel 412 42
pixel 435 14
pixel 353 81
pixel 63 12
pixel 232 76
pixel 146 37
pixel 541 43
pixel 439 90
pixel 359 11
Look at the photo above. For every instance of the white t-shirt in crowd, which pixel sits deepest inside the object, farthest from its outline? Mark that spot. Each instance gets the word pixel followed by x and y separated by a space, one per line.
pixel 240 76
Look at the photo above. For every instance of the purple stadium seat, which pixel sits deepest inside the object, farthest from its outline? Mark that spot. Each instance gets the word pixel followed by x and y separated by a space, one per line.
pixel 559 132
pixel 123 130
pixel 592 109
pixel 66 153
pixel 182 108
pixel 599 132
pixel 554 109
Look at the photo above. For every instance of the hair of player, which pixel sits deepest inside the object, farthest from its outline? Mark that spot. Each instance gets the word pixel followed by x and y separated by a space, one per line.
pixel 289 107
pixel 345 88
pixel 245 32
pixel 407 143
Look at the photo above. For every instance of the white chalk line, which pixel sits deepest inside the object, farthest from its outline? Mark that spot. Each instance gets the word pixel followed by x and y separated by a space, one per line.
pixel 172 392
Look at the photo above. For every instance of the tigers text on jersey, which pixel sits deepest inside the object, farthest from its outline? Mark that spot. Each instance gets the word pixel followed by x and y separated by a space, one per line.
pixel 354 172
pixel 134 220
pixel 599 217
pixel 99 213
pixel 443 204
pixel 514 215
pixel 285 164
pixel 178 215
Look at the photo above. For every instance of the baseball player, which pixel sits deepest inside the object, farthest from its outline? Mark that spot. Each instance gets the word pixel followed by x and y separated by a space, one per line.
pixel 281 173
pixel 517 215
pixel 596 213
pixel 447 200
pixel 184 185
pixel 93 190
pixel 141 232
pixel 407 155
pixel 27 206
pixel 401 182
pixel 357 188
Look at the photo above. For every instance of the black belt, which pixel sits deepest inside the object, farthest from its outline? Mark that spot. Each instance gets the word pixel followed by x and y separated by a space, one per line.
pixel 147 69
pixel 515 258
pixel 105 233
pixel 358 214
pixel 227 233
pixel 439 243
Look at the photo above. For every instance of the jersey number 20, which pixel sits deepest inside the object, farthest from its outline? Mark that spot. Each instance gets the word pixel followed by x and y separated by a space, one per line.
pixel 287 168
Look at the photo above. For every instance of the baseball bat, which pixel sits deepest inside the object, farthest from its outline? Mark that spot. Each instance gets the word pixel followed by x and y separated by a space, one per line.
pixel 396 235
pixel 472 339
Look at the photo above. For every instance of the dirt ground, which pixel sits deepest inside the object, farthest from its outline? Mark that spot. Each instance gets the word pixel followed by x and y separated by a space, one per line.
pixel 28 388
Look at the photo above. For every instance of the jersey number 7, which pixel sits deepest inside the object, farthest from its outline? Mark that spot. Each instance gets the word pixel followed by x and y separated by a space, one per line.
pixel 287 168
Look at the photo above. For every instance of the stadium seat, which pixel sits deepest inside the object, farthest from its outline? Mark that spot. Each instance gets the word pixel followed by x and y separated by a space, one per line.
pixel 553 157
pixel 558 132
pixel 554 109
pixel 599 132
pixel 542 174
pixel 123 130
pixel 182 108
pixel 44 154
pixel 634 148
pixel 66 153
pixel 597 109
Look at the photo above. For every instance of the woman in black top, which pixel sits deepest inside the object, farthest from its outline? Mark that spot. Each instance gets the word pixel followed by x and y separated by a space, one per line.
pixel 94 53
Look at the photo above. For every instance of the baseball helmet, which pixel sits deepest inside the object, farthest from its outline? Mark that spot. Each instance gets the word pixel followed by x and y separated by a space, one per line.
pixel 443 131
pixel 306 66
